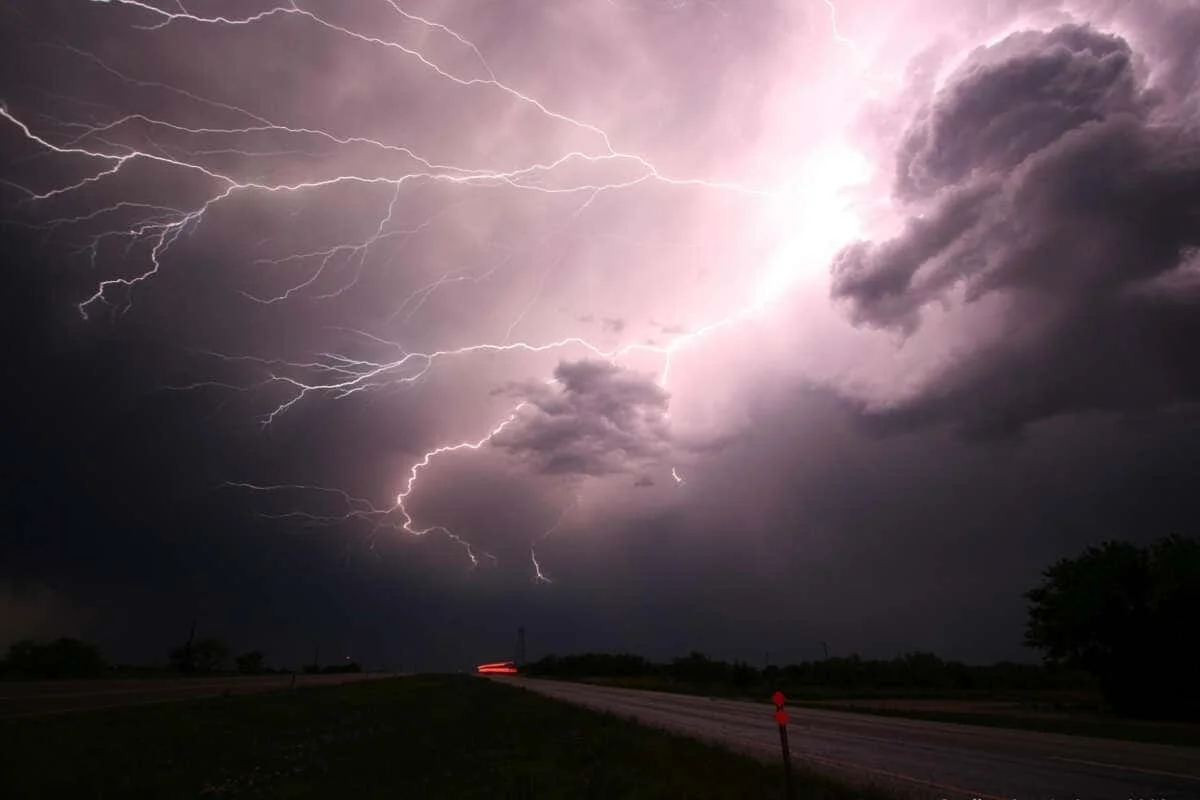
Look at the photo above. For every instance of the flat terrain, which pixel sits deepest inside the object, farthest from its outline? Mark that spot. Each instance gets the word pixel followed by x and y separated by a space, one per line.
pixel 38 698
pixel 924 758
pixel 412 737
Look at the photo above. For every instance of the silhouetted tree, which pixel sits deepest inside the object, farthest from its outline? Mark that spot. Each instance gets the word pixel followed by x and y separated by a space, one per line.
pixel 1128 615
pixel 210 654
pixel 204 655
pixel 180 658
pixel 250 663
pixel 62 658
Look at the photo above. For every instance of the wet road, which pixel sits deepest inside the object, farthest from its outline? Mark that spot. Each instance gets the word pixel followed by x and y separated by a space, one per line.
pixel 33 699
pixel 914 757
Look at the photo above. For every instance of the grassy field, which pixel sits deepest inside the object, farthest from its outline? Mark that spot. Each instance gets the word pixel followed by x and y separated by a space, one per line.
pixel 417 737
pixel 1048 712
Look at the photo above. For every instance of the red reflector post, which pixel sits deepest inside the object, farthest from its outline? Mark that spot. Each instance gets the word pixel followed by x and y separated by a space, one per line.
pixel 781 719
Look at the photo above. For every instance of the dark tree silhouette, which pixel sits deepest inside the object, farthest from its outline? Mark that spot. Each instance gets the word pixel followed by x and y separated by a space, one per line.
pixel 210 654
pixel 62 658
pixel 203 655
pixel 250 663
pixel 1127 615
pixel 921 672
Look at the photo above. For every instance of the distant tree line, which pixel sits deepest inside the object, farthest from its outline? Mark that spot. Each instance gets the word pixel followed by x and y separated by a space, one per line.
pixel 30 659
pixel 61 658
pixel 66 657
pixel 333 669
pixel 912 671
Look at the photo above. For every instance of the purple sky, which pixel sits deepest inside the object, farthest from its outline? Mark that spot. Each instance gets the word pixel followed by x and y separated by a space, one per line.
pixel 652 325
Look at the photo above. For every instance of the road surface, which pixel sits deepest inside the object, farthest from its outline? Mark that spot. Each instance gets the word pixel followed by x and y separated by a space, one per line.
pixel 39 698
pixel 914 757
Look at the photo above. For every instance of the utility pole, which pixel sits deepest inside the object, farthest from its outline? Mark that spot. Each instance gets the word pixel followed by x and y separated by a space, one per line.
pixel 825 647
pixel 520 655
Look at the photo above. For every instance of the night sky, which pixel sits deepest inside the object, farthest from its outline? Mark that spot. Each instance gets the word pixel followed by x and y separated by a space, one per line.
pixel 390 326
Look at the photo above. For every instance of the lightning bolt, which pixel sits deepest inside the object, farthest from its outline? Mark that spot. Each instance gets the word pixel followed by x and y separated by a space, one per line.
pixel 408 524
pixel 839 37
pixel 540 576
pixel 156 228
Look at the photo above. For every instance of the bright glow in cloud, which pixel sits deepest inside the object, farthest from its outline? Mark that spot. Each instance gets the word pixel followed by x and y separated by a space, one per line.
pixel 815 219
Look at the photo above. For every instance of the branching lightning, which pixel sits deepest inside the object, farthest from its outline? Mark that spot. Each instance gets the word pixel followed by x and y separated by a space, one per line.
pixel 157 228
pixel 538 575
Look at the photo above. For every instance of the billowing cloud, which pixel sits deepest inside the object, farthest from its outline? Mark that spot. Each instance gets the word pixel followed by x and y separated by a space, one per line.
pixel 1012 99
pixel 600 419
pixel 1046 174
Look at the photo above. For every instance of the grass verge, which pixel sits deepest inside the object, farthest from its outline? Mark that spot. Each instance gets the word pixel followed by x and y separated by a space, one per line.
pixel 1172 733
pixel 417 737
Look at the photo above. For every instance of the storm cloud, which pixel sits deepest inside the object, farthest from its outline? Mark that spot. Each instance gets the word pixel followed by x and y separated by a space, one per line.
pixel 1048 174
pixel 599 420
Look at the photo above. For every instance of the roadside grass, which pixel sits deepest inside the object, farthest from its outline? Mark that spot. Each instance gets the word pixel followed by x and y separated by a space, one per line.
pixel 1089 723
pixel 415 737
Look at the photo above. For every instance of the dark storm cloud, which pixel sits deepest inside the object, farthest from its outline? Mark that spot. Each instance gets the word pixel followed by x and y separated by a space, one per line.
pixel 1047 175
pixel 879 278
pixel 601 420
pixel 1013 99
pixel 917 540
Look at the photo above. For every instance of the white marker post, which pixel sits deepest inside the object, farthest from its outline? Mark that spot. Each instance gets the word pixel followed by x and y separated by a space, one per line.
pixel 781 718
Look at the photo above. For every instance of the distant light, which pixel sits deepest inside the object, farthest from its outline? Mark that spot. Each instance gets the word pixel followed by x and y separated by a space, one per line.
pixel 497 668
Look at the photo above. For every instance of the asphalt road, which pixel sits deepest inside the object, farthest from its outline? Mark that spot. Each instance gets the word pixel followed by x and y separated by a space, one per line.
pixel 33 699
pixel 914 757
